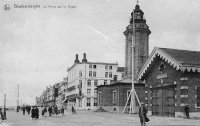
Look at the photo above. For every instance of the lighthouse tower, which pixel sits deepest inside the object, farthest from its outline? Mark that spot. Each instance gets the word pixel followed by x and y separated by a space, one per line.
pixel 141 48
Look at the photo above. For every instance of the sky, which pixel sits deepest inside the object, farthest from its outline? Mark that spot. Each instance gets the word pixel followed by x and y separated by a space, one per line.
pixel 38 45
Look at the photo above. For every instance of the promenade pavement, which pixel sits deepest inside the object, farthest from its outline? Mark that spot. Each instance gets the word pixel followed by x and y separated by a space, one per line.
pixel 90 118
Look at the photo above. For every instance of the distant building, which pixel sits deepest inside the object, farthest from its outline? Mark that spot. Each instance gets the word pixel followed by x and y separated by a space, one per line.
pixel 172 81
pixel 113 98
pixel 83 77
pixel 49 97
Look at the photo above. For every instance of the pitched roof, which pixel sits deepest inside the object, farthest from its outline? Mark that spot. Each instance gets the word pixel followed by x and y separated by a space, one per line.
pixel 185 57
pixel 183 60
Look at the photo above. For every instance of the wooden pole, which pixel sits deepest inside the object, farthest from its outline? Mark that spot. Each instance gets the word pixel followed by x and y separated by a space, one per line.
pixel 133 104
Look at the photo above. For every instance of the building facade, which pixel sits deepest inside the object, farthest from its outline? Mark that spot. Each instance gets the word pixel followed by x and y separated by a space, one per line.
pixel 172 81
pixel 83 77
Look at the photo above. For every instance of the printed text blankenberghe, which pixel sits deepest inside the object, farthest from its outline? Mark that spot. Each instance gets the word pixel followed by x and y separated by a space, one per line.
pixel 34 6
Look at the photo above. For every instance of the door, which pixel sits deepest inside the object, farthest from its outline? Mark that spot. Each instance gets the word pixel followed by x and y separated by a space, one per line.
pixel 168 102
pixel 163 102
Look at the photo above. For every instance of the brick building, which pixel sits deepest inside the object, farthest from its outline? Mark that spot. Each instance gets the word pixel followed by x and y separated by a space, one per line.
pixel 172 80
pixel 113 98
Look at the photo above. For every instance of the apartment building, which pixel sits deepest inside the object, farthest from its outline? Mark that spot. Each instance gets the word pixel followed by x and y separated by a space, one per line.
pixel 83 77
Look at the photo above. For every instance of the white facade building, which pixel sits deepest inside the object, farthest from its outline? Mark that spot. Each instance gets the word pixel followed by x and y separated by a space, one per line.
pixel 83 77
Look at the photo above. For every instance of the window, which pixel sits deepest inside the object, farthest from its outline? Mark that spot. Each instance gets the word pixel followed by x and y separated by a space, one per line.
pixel 114 96
pixel 89 83
pixel 94 66
pixel 88 91
pixel 95 93
pixel 90 73
pixel 110 74
pixel 95 83
pixel 198 96
pixel 94 74
pixel 88 101
pixel 106 67
pixel 99 98
pixel 95 101
pixel 90 66
pixel 105 82
pixel 80 73
pixel 110 67
pixel 106 74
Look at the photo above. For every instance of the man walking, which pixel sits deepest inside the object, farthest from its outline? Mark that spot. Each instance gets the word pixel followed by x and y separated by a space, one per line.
pixel 73 110
pixel 1 116
pixel 142 114
pixel 62 110
pixel 187 111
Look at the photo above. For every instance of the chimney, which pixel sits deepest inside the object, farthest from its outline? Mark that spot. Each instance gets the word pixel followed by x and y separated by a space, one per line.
pixel 76 60
pixel 84 58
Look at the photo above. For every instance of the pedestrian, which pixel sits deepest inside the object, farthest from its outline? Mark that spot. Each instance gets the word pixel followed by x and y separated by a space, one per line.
pixel 55 109
pixel 28 109
pixel 24 110
pixel 44 110
pixel 33 113
pixel 62 110
pixel 50 111
pixel 73 110
pixel 143 114
pixel 187 111
pixel 37 112
pixel 1 116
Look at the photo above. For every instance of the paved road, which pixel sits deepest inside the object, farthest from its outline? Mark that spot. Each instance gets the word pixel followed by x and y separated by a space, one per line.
pixel 89 118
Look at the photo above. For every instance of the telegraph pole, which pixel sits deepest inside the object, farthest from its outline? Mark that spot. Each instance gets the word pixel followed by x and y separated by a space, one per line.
pixel 133 104
pixel 4 106
pixel 18 98
pixel 133 93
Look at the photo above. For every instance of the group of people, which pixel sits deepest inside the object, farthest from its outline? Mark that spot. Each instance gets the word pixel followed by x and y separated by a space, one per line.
pixel 26 108
pixel 35 112
pixel 53 110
